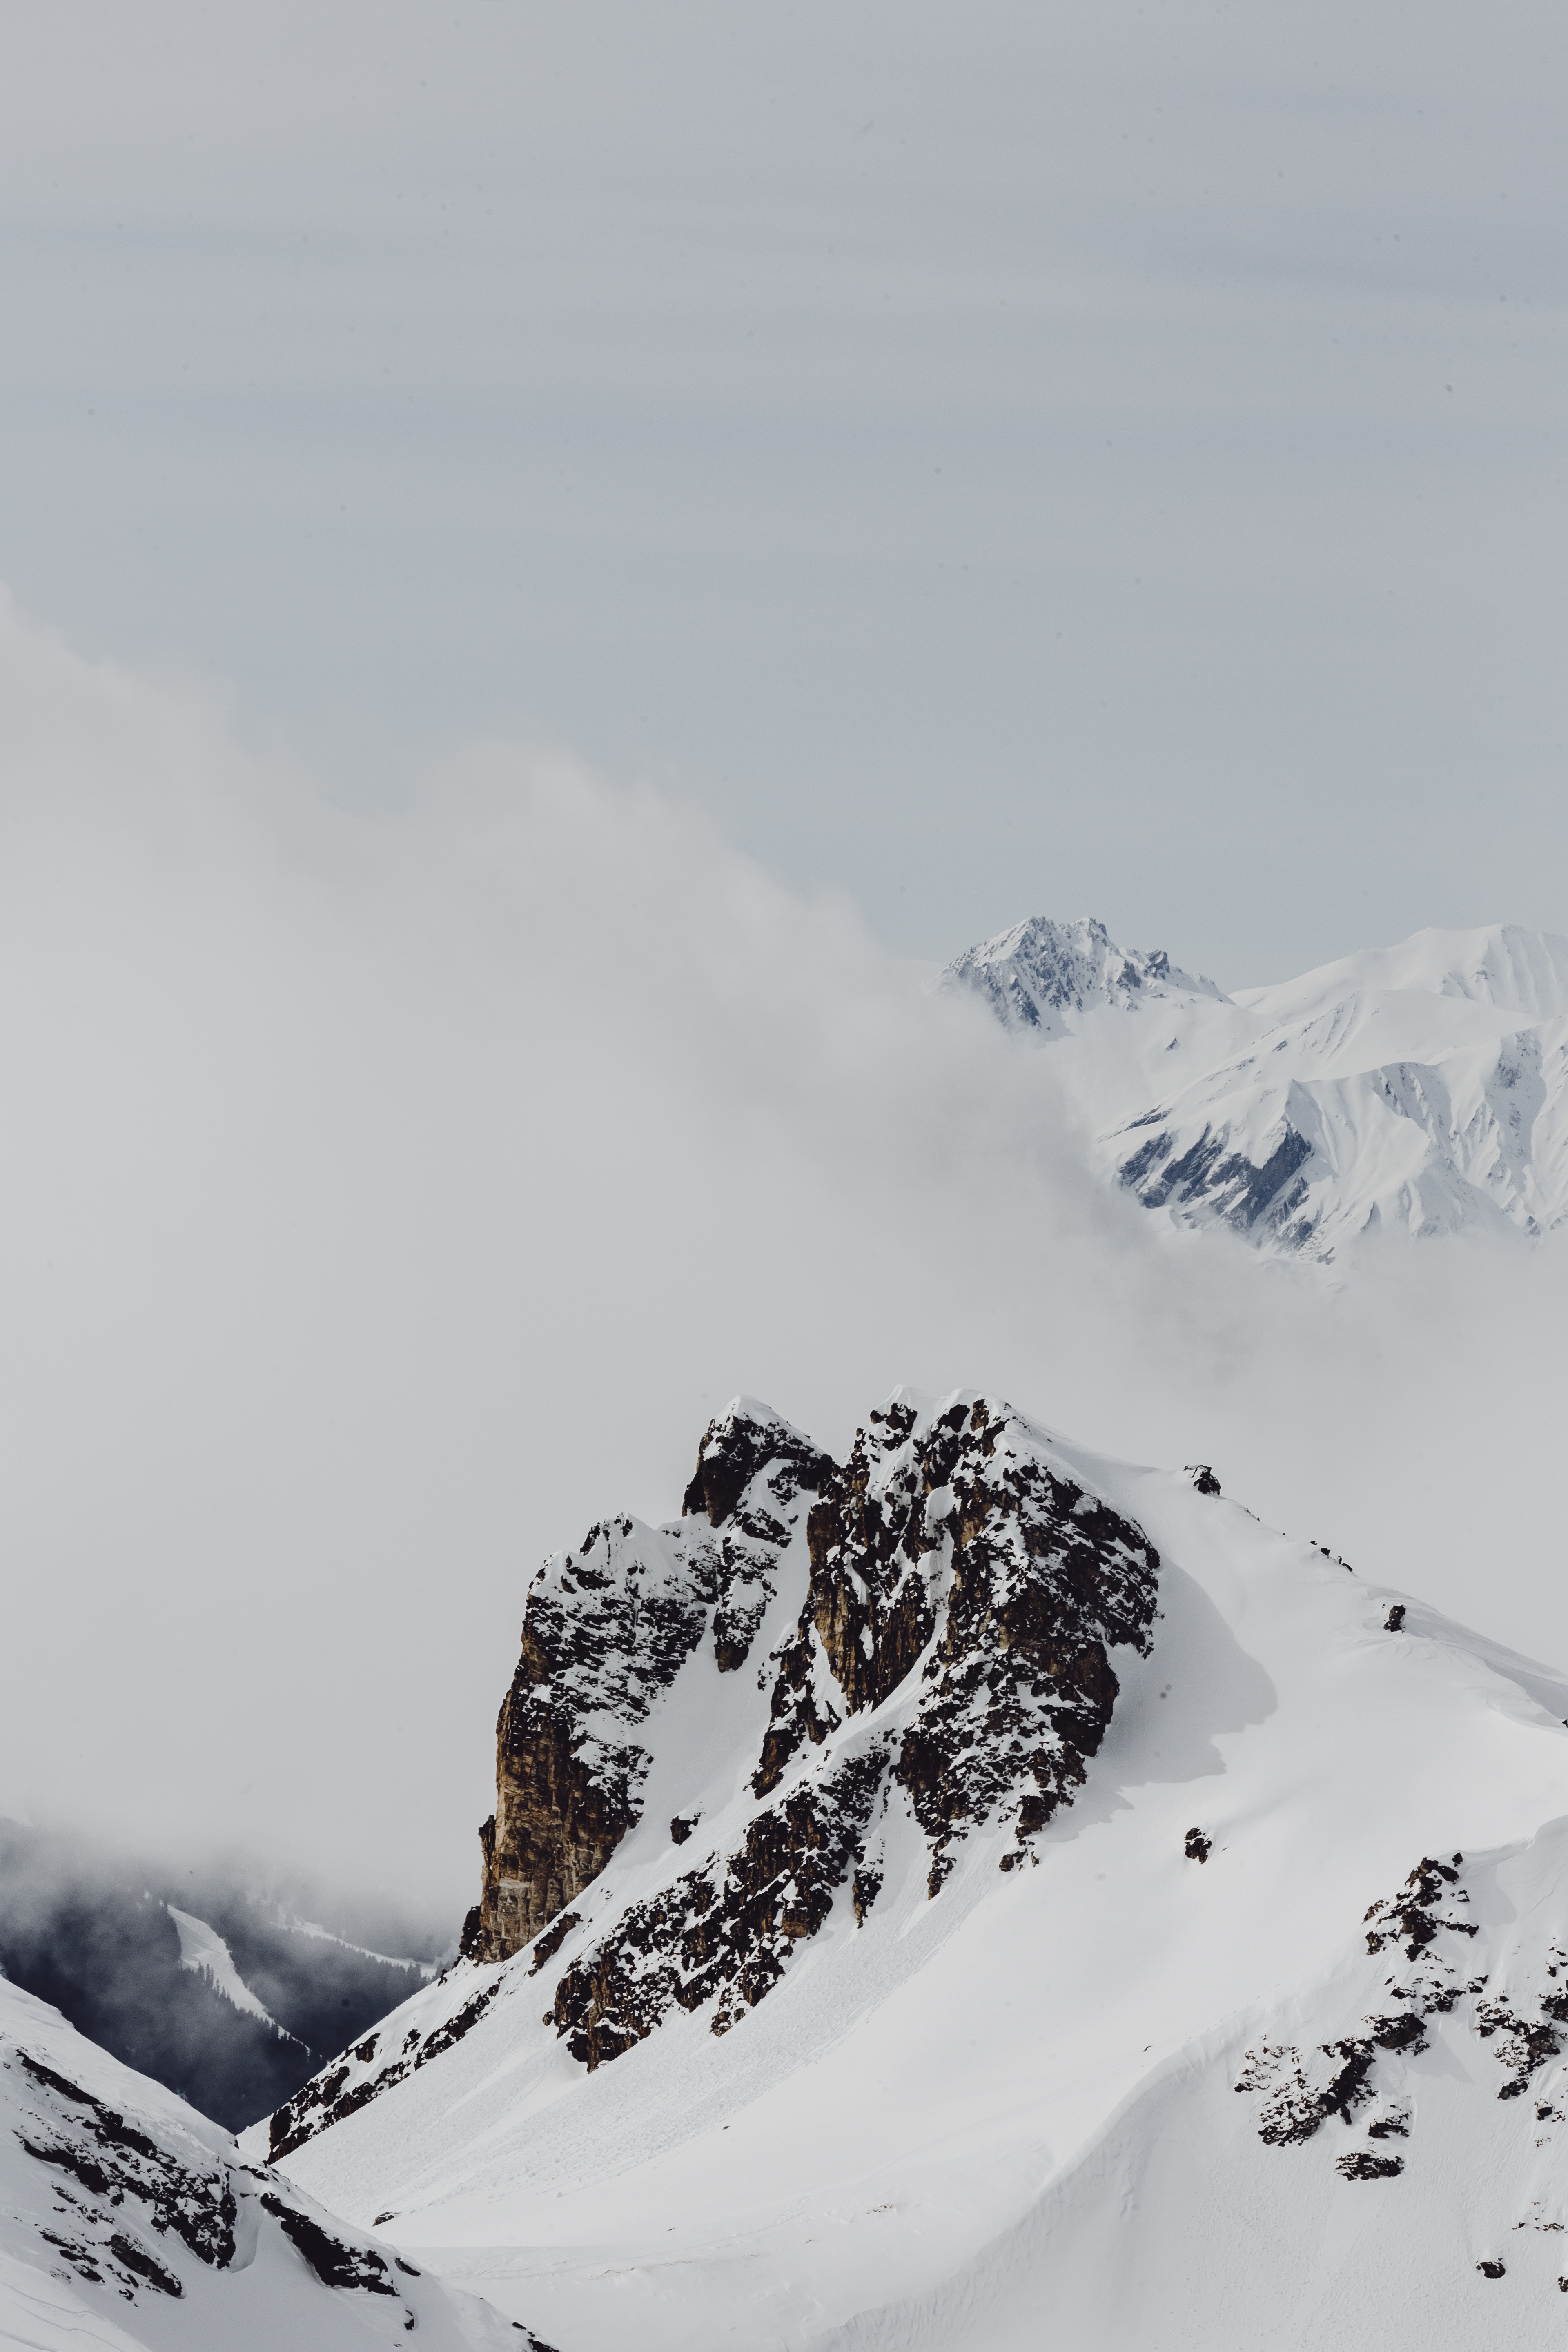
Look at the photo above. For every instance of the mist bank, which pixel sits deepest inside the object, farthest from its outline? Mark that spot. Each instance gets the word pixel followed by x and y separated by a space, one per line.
pixel 387 1197
pixel 204 1975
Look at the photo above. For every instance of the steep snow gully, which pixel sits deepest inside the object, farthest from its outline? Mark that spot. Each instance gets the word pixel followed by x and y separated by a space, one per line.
pixel 982 1894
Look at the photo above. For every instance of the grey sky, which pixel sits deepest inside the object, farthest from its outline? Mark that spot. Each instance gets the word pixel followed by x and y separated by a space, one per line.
pixel 1081 458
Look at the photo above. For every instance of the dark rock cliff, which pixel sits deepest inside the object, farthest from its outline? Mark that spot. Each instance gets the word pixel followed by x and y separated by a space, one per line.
pixel 952 1549
pixel 605 1631
pixel 941 1611
pixel 1034 1579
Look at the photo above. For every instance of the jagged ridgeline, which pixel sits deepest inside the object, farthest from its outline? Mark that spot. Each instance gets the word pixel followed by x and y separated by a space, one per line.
pixel 960 1595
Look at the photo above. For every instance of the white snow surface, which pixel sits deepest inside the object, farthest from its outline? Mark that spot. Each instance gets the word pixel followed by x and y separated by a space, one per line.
pixel 1420 1088
pixel 268 2299
pixel 205 1953
pixel 1009 2114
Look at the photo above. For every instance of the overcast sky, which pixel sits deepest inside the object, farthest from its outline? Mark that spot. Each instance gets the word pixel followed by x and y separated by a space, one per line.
pixel 1086 457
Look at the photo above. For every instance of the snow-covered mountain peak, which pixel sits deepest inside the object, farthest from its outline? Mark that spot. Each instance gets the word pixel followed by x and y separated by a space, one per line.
pixel 1041 976
pixel 1421 1088
pixel 1068 1894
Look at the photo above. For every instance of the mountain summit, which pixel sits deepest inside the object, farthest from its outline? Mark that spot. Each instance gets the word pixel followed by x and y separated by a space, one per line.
pixel 1040 974
pixel 1420 1090
pixel 975 1878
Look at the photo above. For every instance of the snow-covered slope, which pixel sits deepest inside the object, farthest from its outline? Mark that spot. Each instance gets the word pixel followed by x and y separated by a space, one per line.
pixel 127 2218
pixel 1422 1088
pixel 1042 1891
pixel 204 1952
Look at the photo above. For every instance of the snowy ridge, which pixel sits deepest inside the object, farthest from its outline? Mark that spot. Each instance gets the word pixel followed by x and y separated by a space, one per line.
pixel 1209 2055
pixel 126 2219
pixel 1421 1088
pixel 1427 2077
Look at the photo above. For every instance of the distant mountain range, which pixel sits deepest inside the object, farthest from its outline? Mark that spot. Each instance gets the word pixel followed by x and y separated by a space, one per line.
pixel 1420 1090
pixel 977 1894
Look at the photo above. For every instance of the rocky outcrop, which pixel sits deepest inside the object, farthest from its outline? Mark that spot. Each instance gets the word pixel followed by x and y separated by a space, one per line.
pixel 1444 1974
pixel 940 1610
pixel 1032 1577
pixel 1043 1579
pixel 726 1930
pixel 341 2089
pixel 962 1597
pixel 152 2205
pixel 108 2159
pixel 605 1631
pixel 950 1547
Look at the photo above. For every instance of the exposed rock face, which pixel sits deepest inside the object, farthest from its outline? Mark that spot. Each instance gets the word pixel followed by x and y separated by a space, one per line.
pixel 141 2204
pixel 344 2087
pixel 727 1930
pixel 946 1563
pixel 605 1631
pixel 120 2177
pixel 1258 1194
pixel 1444 1972
pixel 1032 1578
pixel 941 1611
